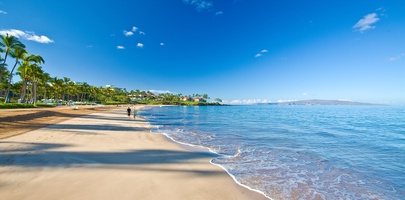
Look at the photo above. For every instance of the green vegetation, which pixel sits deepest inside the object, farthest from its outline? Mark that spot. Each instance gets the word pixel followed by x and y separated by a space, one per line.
pixel 15 105
pixel 38 88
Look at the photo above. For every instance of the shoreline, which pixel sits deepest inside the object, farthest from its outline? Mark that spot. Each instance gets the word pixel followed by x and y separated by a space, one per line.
pixel 197 148
pixel 194 175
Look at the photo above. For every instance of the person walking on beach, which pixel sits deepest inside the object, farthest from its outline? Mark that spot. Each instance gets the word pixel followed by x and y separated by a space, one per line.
pixel 134 113
pixel 129 112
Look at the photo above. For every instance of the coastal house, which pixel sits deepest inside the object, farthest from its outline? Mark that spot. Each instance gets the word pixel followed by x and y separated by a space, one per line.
pixel 186 98
pixel 199 99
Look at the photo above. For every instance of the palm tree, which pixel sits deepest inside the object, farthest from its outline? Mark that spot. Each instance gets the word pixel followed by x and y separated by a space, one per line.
pixel 9 42
pixel 218 100
pixel 18 53
pixel 36 73
pixel 4 76
pixel 205 96
pixel 23 71
pixel 28 71
pixel 66 82
pixel 43 81
pixel 93 93
pixel 84 89
pixel 57 85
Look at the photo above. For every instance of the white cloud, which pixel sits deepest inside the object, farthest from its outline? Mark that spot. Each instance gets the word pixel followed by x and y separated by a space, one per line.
pixel 397 57
pixel 120 47
pixel 246 101
pixel 140 45
pixel 27 35
pixel 304 94
pixel 282 101
pixel 89 46
pixel 3 12
pixel 134 28
pixel 40 39
pixel 162 92
pixel 366 22
pixel 262 52
pixel 219 13
pixel 200 5
pixel 162 44
pixel 141 33
pixel 127 33
pixel 258 55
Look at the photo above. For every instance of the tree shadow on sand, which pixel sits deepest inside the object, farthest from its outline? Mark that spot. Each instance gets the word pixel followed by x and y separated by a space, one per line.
pixel 35 155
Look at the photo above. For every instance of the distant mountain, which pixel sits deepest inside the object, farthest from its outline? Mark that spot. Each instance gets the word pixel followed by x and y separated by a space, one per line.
pixel 315 102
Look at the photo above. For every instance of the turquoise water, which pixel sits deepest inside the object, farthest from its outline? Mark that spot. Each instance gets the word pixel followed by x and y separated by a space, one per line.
pixel 298 152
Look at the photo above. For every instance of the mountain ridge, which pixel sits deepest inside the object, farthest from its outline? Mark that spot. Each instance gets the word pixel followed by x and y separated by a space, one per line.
pixel 315 102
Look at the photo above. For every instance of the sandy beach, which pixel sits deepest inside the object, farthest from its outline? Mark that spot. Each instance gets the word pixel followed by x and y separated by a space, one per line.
pixel 101 154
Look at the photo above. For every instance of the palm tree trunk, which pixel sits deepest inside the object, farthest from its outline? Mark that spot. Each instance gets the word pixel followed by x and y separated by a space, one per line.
pixel 6 99
pixel 9 80
pixel 3 66
pixel 34 90
pixel 1 72
pixel 45 93
pixel 23 90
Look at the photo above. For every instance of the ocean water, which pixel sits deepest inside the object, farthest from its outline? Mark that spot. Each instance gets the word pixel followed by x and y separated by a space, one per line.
pixel 298 152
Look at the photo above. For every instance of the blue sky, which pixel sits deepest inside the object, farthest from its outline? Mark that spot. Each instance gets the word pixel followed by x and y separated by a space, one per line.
pixel 237 50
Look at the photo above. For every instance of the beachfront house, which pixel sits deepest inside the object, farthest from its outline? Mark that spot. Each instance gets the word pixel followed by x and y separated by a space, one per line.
pixel 186 98
pixel 199 99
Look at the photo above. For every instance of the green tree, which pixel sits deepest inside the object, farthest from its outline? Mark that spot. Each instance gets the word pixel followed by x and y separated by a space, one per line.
pixel 57 85
pixel 218 100
pixel 43 82
pixel 4 77
pixel 23 71
pixel 205 96
pixel 19 53
pixel 36 73
pixel 29 71
pixel 8 43
pixel 66 84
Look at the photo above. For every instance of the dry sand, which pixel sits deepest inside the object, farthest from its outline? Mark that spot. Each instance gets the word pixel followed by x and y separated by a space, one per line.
pixel 105 155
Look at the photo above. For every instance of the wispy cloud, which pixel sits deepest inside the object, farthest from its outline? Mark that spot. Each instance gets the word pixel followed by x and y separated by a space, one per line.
pixel 219 13
pixel 3 12
pixel 262 52
pixel 89 46
pixel 132 32
pixel 162 44
pixel 246 101
pixel 283 101
pixel 120 47
pixel 366 23
pixel 396 57
pixel 258 55
pixel 128 33
pixel 162 92
pixel 27 35
pixel 140 45
pixel 200 5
